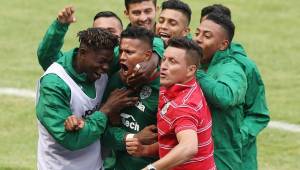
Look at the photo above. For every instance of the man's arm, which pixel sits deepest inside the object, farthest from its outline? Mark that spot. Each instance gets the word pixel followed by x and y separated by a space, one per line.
pixel 227 88
pixel 53 108
pixel 186 148
pixel 115 137
pixel 49 49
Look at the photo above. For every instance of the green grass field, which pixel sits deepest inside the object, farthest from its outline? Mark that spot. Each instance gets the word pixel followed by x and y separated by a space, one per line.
pixel 269 30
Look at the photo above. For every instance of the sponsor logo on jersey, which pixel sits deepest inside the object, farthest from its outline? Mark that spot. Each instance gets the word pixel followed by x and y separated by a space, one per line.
pixel 140 106
pixel 165 108
pixel 145 92
pixel 130 122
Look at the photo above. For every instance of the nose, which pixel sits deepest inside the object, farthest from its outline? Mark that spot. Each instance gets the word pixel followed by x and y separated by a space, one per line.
pixel 163 25
pixel 143 17
pixel 123 56
pixel 163 65
pixel 198 39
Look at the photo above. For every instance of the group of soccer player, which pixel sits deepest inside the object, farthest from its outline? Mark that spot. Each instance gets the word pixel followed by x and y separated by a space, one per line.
pixel 151 96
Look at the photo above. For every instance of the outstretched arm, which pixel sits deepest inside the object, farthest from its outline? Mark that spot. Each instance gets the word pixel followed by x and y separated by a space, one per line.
pixel 49 49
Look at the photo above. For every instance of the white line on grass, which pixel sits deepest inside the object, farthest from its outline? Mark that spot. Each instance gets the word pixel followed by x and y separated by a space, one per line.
pixel 17 92
pixel 31 94
pixel 284 126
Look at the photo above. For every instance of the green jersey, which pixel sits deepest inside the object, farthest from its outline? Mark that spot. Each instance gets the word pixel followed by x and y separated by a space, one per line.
pixel 134 119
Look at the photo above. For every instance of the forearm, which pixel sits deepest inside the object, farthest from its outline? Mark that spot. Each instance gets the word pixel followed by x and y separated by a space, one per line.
pixel 185 150
pixel 220 93
pixel 150 150
pixel 49 49
pixel 53 108
pixel 93 128
pixel 177 156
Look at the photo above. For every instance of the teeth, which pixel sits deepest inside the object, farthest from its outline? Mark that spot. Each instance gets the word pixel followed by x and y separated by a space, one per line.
pixel 164 35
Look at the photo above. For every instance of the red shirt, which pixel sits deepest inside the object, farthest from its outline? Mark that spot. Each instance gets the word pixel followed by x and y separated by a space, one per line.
pixel 182 107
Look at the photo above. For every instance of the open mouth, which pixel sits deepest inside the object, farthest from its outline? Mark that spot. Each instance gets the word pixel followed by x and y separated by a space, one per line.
pixel 164 35
pixel 124 68
pixel 162 75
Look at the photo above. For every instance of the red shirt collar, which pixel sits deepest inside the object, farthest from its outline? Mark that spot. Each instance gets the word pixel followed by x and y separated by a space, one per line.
pixel 173 91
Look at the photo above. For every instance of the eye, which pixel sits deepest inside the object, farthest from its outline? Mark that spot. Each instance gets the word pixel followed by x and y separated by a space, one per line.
pixel 161 20
pixel 207 36
pixel 173 23
pixel 173 61
pixel 136 13
pixel 148 11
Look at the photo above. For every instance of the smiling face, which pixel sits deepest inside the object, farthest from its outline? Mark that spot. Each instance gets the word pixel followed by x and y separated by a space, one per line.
pixel 142 14
pixel 94 63
pixel 132 52
pixel 174 67
pixel 171 23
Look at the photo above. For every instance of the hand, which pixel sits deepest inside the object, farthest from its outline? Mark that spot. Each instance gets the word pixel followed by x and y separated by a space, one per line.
pixel 66 16
pixel 148 135
pixel 73 123
pixel 134 147
pixel 142 74
pixel 117 100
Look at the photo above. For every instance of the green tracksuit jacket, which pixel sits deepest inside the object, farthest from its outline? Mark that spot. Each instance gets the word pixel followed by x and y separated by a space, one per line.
pixel 224 85
pixel 256 115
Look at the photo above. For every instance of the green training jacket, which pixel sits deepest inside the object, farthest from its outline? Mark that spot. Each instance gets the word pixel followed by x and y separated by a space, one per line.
pixel 256 115
pixel 224 85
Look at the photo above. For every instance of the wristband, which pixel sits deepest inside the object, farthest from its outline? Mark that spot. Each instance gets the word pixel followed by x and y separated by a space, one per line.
pixel 150 167
pixel 129 136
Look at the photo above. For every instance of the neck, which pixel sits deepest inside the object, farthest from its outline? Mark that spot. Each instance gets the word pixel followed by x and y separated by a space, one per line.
pixel 154 75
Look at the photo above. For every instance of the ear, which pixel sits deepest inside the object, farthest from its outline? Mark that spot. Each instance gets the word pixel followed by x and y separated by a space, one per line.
pixel 126 13
pixel 148 55
pixel 186 31
pixel 157 8
pixel 224 45
pixel 191 69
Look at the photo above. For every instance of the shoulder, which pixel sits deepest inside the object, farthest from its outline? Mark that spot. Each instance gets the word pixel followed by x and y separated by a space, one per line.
pixel 189 101
pixel 51 83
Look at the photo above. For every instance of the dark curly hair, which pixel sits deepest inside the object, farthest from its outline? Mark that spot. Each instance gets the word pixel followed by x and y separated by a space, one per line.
pixel 97 38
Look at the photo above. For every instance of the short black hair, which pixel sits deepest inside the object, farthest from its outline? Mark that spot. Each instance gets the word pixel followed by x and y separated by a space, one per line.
pixel 219 8
pixel 224 21
pixel 128 2
pixel 140 33
pixel 107 14
pixel 178 6
pixel 97 38
pixel 193 50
